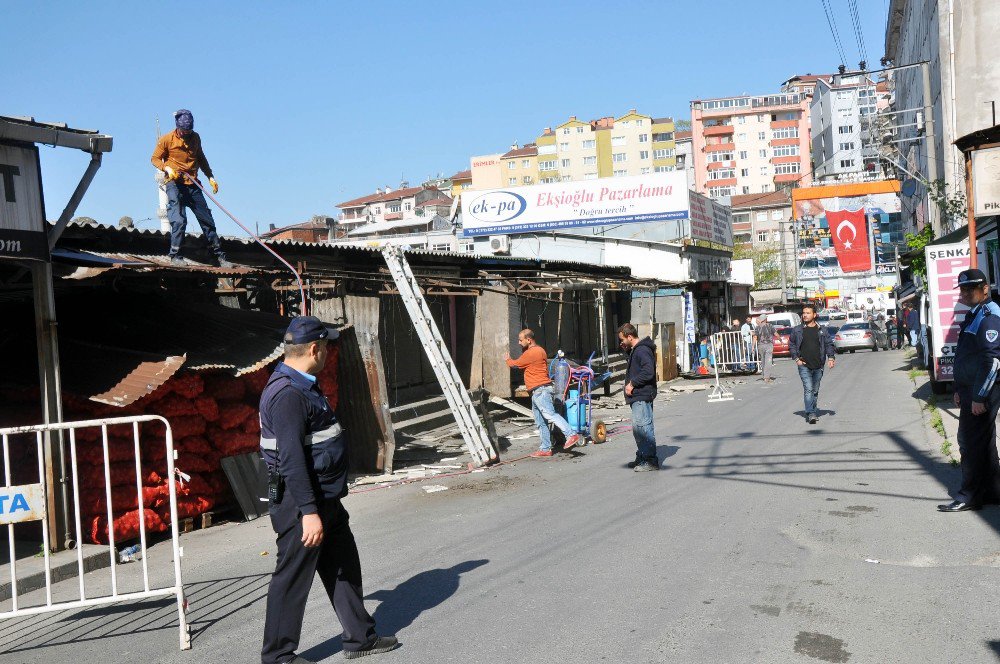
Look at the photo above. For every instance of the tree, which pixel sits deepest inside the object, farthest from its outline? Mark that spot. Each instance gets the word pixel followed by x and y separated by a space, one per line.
pixel 766 263
pixel 953 209
pixel 682 125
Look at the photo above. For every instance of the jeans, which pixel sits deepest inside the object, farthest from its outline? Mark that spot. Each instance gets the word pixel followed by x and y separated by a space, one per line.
pixel 810 387
pixel 642 430
pixel 545 414
pixel 913 338
pixel 766 352
pixel 747 355
pixel 180 196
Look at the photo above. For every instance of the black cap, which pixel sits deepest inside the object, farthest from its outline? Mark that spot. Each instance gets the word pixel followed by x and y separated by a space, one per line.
pixel 305 329
pixel 971 278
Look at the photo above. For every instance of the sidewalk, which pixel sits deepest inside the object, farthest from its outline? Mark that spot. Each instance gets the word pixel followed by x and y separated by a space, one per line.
pixel 939 412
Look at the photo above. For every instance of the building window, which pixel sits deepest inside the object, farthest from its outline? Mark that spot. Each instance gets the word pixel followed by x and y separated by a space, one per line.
pixel 511 165
pixel 843 94
pixel 786 169
pixel 565 163
pixel 643 138
pixel 762 216
pixel 395 207
pixel 715 157
pixel 644 171
pixel 666 153
pixel 762 236
pixel 765 188
pixel 466 185
pixel 527 179
pixel 525 163
pixel 741 119
pixel 746 190
pixel 776 215
pixel 741 137
pixel 408 206
pixel 547 165
pixel 786 151
pixel 663 136
pixel 762 136
pixel 763 153
pixel 618 157
pixel 589 144
pixel 744 172
pixel 589 161
pixel 719 192
pixel 643 154
pixel 511 182
pixel 785 132
pixel 790 116
pixel 617 141
pixel 590 176
pixel 663 169
pixel 722 174
pixel 566 178
pixel 579 130
pixel 763 171
pixel 620 173
pixel 762 117
pixel 846 146
pixel 845 129
pixel 847 163
pixel 566 130
pixel 563 147
pixel 744 154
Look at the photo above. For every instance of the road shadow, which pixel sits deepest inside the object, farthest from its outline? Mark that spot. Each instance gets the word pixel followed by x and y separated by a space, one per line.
pixel 401 606
pixel 994 647
pixel 821 412
pixel 209 603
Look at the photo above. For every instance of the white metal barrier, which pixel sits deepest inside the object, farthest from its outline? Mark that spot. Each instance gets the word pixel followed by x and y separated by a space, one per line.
pixel 732 352
pixel 33 498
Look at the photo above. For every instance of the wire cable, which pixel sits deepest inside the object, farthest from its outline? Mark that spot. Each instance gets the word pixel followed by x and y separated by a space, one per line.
pixel 833 30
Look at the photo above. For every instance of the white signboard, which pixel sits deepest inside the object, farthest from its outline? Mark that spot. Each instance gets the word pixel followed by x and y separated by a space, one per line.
pixel 548 207
pixel 944 262
pixel 986 181
pixel 22 503
pixel 22 220
pixel 711 223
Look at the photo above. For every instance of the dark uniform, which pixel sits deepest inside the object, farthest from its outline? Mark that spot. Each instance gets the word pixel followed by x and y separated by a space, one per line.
pixel 977 363
pixel 302 440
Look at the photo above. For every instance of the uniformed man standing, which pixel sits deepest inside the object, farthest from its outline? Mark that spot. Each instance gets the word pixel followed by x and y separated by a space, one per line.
pixel 306 453
pixel 977 363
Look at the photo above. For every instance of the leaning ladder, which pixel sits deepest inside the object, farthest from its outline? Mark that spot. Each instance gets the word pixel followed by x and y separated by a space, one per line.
pixel 476 438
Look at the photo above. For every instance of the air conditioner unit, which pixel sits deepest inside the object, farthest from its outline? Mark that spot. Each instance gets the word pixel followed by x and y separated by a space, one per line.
pixel 500 244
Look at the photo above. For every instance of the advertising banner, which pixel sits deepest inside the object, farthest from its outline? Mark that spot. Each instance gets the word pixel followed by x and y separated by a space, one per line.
pixel 944 262
pixel 986 181
pixel 548 207
pixel 22 220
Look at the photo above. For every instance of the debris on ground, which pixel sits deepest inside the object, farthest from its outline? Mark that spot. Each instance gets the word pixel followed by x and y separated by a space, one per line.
pixel 434 488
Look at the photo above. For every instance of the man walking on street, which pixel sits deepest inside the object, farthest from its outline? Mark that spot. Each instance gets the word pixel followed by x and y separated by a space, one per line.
pixel 535 363
pixel 305 450
pixel 764 334
pixel 178 154
pixel 640 390
pixel 746 335
pixel 977 363
pixel 810 346
pixel 913 326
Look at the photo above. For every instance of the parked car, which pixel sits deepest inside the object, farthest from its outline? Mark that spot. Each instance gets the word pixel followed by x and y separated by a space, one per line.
pixel 784 319
pixel 781 341
pixel 854 336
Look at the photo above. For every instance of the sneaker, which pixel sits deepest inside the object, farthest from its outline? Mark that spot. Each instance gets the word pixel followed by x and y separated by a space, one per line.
pixel 177 260
pixel 571 441
pixel 632 464
pixel 812 419
pixel 542 453
pixel 224 263
pixel 382 644
pixel 646 466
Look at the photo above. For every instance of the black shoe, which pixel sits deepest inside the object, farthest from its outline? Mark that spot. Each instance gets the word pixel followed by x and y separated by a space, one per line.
pixel 646 466
pixel 632 464
pixel 177 260
pixel 812 419
pixel 382 644
pixel 958 506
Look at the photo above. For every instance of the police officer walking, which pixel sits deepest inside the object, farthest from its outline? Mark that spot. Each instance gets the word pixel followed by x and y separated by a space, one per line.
pixel 306 454
pixel 977 363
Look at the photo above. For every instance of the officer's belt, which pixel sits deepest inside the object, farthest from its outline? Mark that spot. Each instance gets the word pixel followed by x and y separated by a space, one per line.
pixel 310 439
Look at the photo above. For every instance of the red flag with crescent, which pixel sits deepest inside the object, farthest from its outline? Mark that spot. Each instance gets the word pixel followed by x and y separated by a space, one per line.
pixel 850 238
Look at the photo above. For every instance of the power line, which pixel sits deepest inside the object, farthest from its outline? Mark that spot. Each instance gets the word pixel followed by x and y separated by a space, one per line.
pixel 852 6
pixel 833 30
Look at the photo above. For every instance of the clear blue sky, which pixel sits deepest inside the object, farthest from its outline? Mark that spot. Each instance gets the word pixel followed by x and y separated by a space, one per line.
pixel 302 105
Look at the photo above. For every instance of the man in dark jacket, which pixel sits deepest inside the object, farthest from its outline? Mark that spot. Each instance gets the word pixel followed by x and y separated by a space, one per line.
pixel 810 346
pixel 640 390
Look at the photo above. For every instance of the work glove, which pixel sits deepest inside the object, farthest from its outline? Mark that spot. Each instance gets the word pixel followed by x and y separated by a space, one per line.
pixel 171 173
pixel 215 185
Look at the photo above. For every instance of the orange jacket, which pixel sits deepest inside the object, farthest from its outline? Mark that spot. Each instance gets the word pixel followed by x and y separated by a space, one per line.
pixel 535 363
pixel 181 153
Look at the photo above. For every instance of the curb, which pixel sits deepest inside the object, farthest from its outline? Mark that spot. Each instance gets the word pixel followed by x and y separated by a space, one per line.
pixel 92 561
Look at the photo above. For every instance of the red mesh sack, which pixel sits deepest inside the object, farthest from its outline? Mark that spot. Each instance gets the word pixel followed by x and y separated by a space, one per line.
pixel 207 407
pixel 187 385
pixel 193 463
pixel 194 445
pixel 174 405
pixel 230 443
pixel 252 425
pixel 255 382
pixel 233 415
pixel 126 526
pixel 224 387
pixel 187 507
pixel 187 425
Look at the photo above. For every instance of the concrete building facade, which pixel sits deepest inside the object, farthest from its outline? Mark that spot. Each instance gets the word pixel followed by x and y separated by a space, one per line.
pixel 750 144
pixel 519 165
pixel 844 136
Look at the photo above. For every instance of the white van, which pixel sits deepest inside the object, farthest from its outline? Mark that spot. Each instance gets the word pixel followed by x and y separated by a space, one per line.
pixel 784 319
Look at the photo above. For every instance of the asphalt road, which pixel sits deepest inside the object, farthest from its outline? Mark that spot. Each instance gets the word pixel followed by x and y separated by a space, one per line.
pixel 754 543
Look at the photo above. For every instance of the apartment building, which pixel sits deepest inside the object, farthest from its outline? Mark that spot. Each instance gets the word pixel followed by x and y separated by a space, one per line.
pixel 486 171
pixel 684 157
pixel 460 182
pixel 750 144
pixel 387 206
pixel 519 165
pixel 843 130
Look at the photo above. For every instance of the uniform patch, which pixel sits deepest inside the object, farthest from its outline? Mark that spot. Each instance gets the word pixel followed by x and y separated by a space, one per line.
pixel 991 335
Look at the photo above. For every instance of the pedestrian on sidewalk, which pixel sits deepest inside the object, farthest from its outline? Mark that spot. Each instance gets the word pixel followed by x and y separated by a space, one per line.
pixel 764 334
pixel 913 326
pixel 640 390
pixel 535 363
pixel 977 363
pixel 305 450
pixel 811 347
pixel 179 154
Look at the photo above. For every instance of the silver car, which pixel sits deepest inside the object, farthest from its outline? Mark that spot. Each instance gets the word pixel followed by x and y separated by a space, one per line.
pixel 854 336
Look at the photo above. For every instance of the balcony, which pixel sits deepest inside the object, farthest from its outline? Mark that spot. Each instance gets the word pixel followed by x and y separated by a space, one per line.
pixel 728 182
pixel 788 177
pixel 777 142
pixel 784 124
pixel 787 159
pixel 393 216
pixel 718 130
pixel 718 165
pixel 721 147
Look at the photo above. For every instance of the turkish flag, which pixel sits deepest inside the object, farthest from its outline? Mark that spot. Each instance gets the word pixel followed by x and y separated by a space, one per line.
pixel 850 238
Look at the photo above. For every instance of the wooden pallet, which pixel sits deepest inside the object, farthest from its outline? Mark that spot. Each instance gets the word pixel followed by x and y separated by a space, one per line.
pixel 205 520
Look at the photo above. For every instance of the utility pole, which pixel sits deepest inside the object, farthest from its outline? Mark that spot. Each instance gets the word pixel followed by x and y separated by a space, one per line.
pixel 784 264
pixel 932 175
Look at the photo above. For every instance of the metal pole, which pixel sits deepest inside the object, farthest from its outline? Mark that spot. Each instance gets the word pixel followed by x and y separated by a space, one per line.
pixel 973 250
pixel 932 174
pixel 74 200
pixel 602 332
pixel 784 264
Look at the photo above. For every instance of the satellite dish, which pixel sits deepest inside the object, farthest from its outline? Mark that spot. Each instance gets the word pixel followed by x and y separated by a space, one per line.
pixel 909 187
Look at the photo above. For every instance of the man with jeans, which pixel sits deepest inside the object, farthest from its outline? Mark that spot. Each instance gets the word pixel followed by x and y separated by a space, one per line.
pixel 640 390
pixel 535 364
pixel 178 154
pixel 913 326
pixel 764 333
pixel 810 346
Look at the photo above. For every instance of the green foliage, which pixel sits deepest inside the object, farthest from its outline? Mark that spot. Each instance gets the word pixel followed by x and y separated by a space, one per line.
pixel 682 125
pixel 766 263
pixel 918 264
pixel 953 208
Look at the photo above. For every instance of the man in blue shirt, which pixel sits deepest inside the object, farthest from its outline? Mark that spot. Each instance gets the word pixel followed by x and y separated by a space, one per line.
pixel 977 363
pixel 305 450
